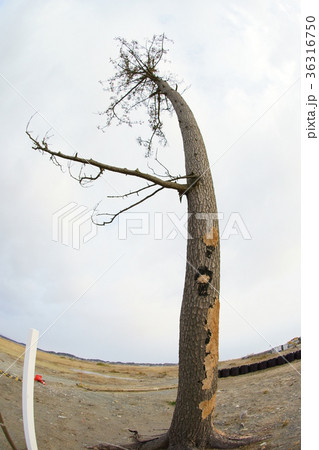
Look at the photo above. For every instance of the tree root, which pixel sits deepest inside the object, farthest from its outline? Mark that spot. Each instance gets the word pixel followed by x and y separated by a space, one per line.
pixel 156 443
pixel 217 440
pixel 159 442
pixel 221 440
pixel 106 446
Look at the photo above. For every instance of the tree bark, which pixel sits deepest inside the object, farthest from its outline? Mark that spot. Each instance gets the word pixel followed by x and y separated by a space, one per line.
pixel 199 319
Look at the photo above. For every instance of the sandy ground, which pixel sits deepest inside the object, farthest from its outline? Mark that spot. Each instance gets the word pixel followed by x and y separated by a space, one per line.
pixel 68 416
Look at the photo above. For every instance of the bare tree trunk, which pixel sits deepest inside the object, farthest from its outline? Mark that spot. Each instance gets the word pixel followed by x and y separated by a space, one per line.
pixel 192 423
pixel 199 319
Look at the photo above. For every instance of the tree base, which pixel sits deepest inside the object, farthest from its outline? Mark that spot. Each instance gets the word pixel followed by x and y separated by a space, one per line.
pixel 217 440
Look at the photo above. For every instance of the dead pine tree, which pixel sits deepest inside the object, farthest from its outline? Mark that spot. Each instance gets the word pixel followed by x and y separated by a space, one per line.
pixel 136 83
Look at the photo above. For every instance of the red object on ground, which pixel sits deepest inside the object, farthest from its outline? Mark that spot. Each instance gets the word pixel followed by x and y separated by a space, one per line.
pixel 39 378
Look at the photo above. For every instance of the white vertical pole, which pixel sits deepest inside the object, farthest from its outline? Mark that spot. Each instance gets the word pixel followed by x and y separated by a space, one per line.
pixel 27 389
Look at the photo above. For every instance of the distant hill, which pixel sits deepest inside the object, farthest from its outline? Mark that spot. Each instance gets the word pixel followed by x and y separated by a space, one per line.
pixel 94 360
pixel 290 344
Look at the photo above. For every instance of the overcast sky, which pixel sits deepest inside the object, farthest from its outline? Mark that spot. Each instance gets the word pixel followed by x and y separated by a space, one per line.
pixel 119 299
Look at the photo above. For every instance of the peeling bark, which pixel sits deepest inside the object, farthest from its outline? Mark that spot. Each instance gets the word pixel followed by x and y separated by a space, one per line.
pixel 207 406
pixel 211 358
pixel 211 239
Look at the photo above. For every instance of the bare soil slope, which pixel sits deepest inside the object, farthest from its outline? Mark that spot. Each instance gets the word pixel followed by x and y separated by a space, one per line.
pixel 123 397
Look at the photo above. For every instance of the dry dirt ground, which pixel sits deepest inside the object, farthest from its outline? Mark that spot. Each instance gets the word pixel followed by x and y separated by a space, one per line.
pixel 68 416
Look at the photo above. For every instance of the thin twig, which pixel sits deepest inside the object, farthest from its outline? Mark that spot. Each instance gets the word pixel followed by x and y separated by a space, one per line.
pixel 132 192
pixel 125 209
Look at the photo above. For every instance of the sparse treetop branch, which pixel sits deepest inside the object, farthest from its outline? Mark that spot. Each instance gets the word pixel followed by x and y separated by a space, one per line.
pixel 135 83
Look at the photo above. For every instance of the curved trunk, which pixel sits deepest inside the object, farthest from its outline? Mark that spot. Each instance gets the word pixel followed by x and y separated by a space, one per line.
pixel 199 319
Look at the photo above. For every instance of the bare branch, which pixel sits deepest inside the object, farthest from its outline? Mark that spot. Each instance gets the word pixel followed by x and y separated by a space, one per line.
pixel 125 209
pixel 43 147
pixel 84 180
pixel 135 83
pixel 137 192
pixel 167 172
pixel 132 192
